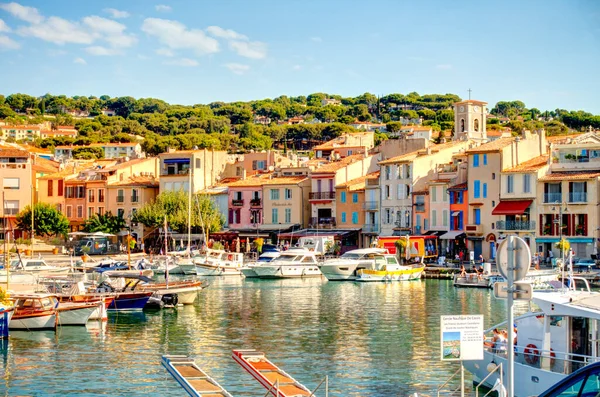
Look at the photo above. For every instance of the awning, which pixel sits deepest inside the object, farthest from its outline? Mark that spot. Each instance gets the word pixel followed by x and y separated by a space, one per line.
pixel 454 234
pixel 547 240
pixel 516 207
pixel 434 233
pixel 176 161
pixel 456 213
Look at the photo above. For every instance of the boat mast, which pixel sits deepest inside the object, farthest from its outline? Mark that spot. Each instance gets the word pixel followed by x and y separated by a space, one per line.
pixel 167 255
pixel 189 245
pixel 6 257
pixel 32 213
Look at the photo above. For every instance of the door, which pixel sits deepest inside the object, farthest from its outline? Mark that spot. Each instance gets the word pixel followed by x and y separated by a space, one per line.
pixel 477 245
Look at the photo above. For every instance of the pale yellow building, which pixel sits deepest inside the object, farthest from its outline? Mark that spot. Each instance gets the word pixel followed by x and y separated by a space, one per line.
pixel 206 166
pixel 15 184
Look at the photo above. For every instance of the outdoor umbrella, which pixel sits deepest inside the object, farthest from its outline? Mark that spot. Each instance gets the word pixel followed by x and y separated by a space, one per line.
pixel 237 245
pixel 247 245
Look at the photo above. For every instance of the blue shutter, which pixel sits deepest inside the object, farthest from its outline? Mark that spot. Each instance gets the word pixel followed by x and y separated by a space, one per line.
pixel 485 159
pixel 475 160
pixel 343 217
pixel 476 186
pixel 485 190
pixel 355 197
pixel 478 217
pixel 451 197
pixel 343 197
pixel 355 217
pixel 460 220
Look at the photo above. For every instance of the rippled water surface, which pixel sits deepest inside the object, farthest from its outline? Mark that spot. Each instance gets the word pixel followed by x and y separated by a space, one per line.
pixel 371 339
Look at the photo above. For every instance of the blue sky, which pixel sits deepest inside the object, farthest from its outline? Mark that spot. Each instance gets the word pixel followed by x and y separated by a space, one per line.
pixel 545 53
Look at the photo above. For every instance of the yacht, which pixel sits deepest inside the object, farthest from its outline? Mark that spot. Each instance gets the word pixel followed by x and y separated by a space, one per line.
pixel 220 263
pixel 293 263
pixel 387 268
pixel 346 266
pixel 248 270
pixel 35 266
pixel 552 342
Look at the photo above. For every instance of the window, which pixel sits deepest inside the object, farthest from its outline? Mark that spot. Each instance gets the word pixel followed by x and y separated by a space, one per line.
pixel 70 192
pixel 476 189
pixel 510 188
pixel 60 187
pixel 485 190
pixel 526 183
pixel 355 197
pixel 237 195
pixel 434 194
pixel 493 176
pixel 261 165
pixel 398 218
pixel 11 183
pixel 462 125
pixel 400 192
pixel 91 196
pixel 400 170
pixel 355 218
pixel 475 160
pixel 342 197
pixel 433 218
pixel 288 194
pixel 100 195
pixel 425 223
pixel 388 216
pixel 476 126
pixel 135 196
pixel 388 171
pixel 288 215
pixel 120 196
pixel 274 194
pixel 274 215
pixel 198 163
pixel 344 217
pixel 477 216
pixel 484 159
pixel 80 192
pixel 445 217
pixel 444 195
pixel 80 211
pixel 238 171
pixel 50 188
pixel 418 221
pixel 408 166
pixel 59 207
pixel 120 212
pixel 90 212
pixel 100 211
pixel 387 192
pixel 69 211
pixel 11 207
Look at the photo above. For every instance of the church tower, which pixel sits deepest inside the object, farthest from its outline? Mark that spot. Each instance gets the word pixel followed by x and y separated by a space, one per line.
pixel 469 120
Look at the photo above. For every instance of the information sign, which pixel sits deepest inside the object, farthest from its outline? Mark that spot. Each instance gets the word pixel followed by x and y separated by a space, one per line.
pixel 462 337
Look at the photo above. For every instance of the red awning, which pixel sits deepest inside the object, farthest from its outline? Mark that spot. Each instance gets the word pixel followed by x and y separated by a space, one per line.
pixel 516 207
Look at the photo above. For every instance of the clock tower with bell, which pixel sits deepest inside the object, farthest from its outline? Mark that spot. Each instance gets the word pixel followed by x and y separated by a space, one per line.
pixel 469 120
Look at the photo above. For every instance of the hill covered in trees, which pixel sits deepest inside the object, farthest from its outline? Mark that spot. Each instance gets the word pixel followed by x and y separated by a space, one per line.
pixel 260 124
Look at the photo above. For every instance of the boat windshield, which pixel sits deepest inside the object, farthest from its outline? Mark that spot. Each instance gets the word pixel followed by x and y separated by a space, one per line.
pixel 380 260
pixel 288 258
pixel 391 260
pixel 16 264
pixel 349 255
pixel 265 258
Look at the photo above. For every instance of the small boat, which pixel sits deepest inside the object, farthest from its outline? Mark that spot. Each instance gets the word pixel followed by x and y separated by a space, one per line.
pixel 102 301
pixel 220 263
pixel 36 266
pixel 187 266
pixel 474 280
pixel 34 312
pixel 192 378
pixel 387 268
pixel 270 376
pixel 248 270
pixel 71 313
pixel 293 263
pixel 164 266
pixel 6 313
pixel 346 266
pixel 186 291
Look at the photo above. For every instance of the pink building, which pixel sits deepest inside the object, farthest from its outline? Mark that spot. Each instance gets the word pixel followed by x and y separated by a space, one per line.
pixel 245 204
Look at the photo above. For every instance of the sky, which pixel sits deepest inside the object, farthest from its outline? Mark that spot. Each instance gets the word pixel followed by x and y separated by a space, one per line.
pixel 545 53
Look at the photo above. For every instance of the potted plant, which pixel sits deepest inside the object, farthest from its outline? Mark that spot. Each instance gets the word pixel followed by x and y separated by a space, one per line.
pixel 547 229
pixel 579 230
pixel 569 156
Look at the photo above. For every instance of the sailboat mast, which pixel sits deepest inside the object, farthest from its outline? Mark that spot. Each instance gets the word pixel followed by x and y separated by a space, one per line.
pixel 166 255
pixel 32 213
pixel 6 264
pixel 189 247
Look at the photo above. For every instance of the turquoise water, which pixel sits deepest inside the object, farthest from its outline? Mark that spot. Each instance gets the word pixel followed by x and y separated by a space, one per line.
pixel 371 339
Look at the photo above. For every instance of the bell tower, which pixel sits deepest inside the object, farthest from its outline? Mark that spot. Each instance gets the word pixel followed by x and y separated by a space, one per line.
pixel 469 120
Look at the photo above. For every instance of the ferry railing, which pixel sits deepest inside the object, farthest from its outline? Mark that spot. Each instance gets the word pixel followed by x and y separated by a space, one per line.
pixel 448 381
pixel 499 369
pixel 326 381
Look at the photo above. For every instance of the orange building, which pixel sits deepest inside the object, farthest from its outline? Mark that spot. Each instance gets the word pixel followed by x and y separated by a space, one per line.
pixel 350 199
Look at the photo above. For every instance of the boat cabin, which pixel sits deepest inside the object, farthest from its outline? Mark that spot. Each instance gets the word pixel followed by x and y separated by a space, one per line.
pixel 25 304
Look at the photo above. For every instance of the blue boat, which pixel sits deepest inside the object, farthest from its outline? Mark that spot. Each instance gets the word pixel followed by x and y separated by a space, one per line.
pixel 128 301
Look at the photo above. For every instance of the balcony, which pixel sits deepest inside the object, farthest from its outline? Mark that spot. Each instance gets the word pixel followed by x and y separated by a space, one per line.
pixel 515 225
pixel 256 202
pixel 321 196
pixel 120 199
pixel 322 222
pixel 552 197
pixel 135 199
pixel 419 207
pixel 447 171
pixel 237 203
pixel 578 197
pixel 371 228
pixel 371 205
pixel 474 230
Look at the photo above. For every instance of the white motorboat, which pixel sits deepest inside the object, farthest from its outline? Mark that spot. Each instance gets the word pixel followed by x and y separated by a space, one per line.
pixel 220 263
pixel 20 282
pixel 539 279
pixel 248 270
pixel 35 266
pixel 559 338
pixel 34 312
pixel 186 266
pixel 164 266
pixel 293 263
pixel 72 313
pixel 346 266
pixel 186 291
pixel 387 268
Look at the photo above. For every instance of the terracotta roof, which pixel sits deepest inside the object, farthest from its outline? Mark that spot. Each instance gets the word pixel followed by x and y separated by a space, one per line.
pixel 127 144
pixel 494 146
pixel 69 171
pixel 459 186
pixel 358 183
pixel 59 132
pixel 20 127
pixel 33 149
pixel 530 165
pixel 571 176
pixel 142 181
pixel 265 179
pixel 337 165
pixel 125 164
pixel 43 165
pixel 14 153
pixel 560 138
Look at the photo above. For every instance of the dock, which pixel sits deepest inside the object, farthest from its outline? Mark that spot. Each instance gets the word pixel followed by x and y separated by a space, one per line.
pixel 192 378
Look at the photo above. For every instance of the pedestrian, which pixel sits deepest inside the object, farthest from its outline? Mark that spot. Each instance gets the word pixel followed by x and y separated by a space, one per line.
pixel 463 271
pixel 549 257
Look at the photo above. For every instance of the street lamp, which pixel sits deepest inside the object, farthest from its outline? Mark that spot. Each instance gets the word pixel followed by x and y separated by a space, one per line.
pixel 560 227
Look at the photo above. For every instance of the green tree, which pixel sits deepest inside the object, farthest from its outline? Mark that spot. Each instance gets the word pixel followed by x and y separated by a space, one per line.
pixel 393 126
pixel 88 152
pixel 106 223
pixel 48 221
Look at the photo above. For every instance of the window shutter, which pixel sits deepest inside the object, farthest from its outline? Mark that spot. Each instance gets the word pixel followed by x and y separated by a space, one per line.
pixel 254 164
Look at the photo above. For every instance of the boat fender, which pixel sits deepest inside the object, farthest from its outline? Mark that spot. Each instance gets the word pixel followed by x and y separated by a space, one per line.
pixel 532 354
pixel 229 257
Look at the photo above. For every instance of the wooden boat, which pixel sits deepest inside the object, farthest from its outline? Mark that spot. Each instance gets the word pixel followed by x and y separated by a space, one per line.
pixel 71 313
pixel 191 377
pixel 34 312
pixel 270 376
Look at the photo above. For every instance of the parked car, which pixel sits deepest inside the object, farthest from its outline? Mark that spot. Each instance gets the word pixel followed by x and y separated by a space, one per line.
pixel 583 264
pixel 585 382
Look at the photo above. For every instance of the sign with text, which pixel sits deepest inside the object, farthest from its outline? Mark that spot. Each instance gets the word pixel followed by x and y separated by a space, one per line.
pixel 462 337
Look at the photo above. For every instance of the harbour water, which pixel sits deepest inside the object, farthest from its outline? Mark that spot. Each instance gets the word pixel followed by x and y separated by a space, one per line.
pixel 371 339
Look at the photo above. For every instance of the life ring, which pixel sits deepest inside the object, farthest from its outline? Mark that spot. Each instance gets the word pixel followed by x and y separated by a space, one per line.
pixel 532 354
pixel 229 257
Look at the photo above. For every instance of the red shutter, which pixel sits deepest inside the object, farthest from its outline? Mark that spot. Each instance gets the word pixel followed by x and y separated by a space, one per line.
pixel 541 224
pixel 230 216
pixel 585 225
pixel 60 187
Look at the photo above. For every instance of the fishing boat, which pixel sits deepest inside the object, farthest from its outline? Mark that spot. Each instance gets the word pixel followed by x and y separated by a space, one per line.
pixel 71 313
pixel 271 377
pixel 220 263
pixel 346 266
pixel 293 263
pixel 269 256
pixel 387 268
pixel 554 341
pixel 36 266
pixel 34 312
pixel 192 378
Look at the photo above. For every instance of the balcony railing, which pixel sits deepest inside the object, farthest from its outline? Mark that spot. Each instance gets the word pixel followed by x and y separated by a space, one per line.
pixel 322 221
pixel 321 196
pixel 578 197
pixel 237 203
pixel 515 225
pixel 135 199
pixel 255 202
pixel 371 228
pixel 120 199
pixel 371 205
pixel 552 197
pixel 11 211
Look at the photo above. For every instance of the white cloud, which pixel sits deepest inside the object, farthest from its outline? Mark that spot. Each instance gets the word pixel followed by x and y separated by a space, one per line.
pixel 6 43
pixel 162 8
pixel 27 14
pixel 249 49
pixel 4 27
pixel 444 66
pixel 237 68
pixel 316 39
pixel 80 61
pixel 101 51
pixel 165 52
pixel 55 53
pixel 59 31
pixel 225 33
pixel 296 67
pixel 176 35
pixel 113 32
pixel 182 62
pixel 116 13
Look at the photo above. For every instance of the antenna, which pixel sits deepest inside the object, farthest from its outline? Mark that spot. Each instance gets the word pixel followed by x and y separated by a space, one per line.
pixel 469 93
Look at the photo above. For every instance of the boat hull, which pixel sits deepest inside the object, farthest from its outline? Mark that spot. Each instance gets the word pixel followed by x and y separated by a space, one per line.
pixel 339 271
pixel 6 313
pixel 188 268
pixel 185 295
pixel 213 270
pixel 130 302
pixel 39 321
pixel 288 271
pixel 365 275
pixel 76 314
pixel 249 272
